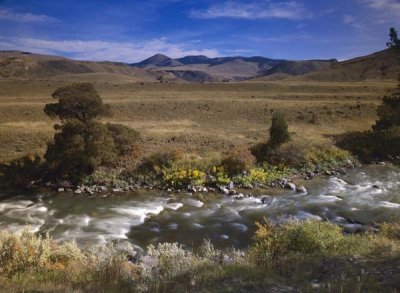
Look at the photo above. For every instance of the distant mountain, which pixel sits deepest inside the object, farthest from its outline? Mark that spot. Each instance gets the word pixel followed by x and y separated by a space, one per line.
pixel 17 64
pixel 298 67
pixel 24 65
pixel 380 65
pixel 158 60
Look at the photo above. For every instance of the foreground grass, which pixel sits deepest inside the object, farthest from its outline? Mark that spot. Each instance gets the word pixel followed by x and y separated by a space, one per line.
pixel 295 256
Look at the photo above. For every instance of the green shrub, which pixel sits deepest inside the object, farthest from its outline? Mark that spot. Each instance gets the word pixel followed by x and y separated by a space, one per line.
pixel 125 138
pixel 291 155
pixel 155 163
pixel 278 132
pixel 391 230
pixel 21 172
pixel 237 160
pixel 326 157
pixel 77 101
pixel 78 149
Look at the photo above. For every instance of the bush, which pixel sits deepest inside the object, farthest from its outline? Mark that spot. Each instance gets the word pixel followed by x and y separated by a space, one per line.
pixel 77 101
pixel 182 178
pixel 78 149
pixel 278 133
pixel 291 155
pixel 326 158
pixel 237 160
pixel 155 163
pixel 125 138
pixel 21 172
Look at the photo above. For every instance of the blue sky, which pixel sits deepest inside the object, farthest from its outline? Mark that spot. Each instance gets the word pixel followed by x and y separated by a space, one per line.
pixel 131 31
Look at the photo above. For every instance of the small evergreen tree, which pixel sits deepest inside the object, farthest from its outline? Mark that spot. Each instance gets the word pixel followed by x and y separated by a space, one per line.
pixel 278 132
pixel 394 40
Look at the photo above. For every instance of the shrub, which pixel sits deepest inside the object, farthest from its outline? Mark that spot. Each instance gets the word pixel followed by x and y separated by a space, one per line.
pixel 237 160
pixel 326 157
pixel 78 149
pixel 77 101
pixel 292 155
pixel 158 161
pixel 21 172
pixel 125 138
pixel 391 230
pixel 182 178
pixel 221 177
pixel 278 133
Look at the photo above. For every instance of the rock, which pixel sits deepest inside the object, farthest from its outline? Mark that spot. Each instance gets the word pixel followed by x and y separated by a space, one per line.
pixel 65 184
pixel 232 192
pixel 376 186
pixel 264 200
pixel 224 190
pixel 248 186
pixel 290 185
pixel 301 189
pixel 102 188
pixel 231 185
pixel 78 191
pixel 239 196
pixel 61 189
pixel 117 190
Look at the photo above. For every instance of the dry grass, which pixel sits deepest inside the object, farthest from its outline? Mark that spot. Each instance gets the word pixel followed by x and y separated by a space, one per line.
pixel 199 118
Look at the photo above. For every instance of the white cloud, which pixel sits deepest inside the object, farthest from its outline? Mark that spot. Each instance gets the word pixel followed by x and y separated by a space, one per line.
pixel 104 50
pixel 10 15
pixel 353 21
pixel 264 9
pixel 386 11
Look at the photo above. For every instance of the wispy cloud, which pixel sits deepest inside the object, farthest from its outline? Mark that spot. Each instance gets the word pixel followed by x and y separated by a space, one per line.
pixel 265 9
pixel 10 15
pixel 353 21
pixel 387 11
pixel 104 50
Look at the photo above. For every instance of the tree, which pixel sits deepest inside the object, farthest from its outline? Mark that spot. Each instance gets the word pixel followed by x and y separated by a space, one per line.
pixel 394 40
pixel 78 101
pixel 279 133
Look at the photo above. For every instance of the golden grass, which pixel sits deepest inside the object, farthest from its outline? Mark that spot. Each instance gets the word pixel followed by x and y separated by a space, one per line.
pixel 197 117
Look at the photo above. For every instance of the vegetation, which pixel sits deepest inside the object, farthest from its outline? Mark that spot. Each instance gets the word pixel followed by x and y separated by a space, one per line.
pixel 304 253
pixel 383 142
pixel 394 40
pixel 278 133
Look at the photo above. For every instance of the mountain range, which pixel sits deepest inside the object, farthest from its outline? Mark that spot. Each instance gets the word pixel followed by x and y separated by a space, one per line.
pixel 22 65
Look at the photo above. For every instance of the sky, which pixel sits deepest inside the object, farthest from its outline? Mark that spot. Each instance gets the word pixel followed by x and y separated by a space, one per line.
pixel 130 31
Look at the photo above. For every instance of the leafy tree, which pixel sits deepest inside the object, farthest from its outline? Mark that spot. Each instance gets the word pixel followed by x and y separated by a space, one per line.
pixel 394 40
pixel 279 133
pixel 78 101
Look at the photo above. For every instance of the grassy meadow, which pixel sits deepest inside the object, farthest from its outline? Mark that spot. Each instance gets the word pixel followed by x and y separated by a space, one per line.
pixel 197 118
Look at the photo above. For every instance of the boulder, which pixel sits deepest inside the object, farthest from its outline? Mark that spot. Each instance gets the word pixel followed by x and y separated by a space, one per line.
pixel 61 189
pixel 224 190
pixel 290 185
pixel 301 189
pixel 78 191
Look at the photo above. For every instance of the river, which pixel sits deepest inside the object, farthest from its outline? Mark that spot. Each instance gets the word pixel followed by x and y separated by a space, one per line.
pixel 370 194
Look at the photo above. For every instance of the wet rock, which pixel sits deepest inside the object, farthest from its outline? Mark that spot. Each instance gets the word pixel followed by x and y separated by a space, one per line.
pixel 117 190
pixel 248 186
pixel 224 190
pixel 231 185
pixel 375 186
pixel 264 200
pixel 78 191
pixel 301 189
pixel 61 189
pixel 290 185
pixel 232 192
pixel 239 196
pixel 102 188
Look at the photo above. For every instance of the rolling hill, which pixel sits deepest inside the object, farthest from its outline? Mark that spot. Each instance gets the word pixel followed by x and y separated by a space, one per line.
pixel 16 64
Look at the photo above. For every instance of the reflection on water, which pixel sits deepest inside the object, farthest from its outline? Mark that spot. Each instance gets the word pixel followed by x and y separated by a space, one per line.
pixel 364 196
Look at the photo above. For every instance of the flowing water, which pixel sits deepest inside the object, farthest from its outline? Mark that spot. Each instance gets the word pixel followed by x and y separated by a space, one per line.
pixel 367 195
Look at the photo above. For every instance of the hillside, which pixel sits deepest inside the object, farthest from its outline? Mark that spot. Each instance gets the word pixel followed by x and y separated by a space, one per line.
pixel 380 65
pixel 299 67
pixel 16 64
